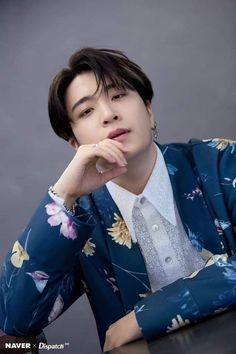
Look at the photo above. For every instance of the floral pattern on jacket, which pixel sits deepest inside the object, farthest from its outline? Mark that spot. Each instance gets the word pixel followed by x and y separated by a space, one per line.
pixel 58 257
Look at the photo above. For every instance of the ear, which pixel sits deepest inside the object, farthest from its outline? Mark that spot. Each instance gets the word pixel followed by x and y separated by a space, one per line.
pixel 151 114
pixel 74 143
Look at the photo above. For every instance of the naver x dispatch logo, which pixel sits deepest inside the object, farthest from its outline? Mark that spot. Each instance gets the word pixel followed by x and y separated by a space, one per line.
pixel 40 345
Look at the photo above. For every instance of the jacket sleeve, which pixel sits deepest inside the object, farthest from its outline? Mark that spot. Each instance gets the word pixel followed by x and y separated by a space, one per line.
pixel 41 275
pixel 189 300
pixel 210 290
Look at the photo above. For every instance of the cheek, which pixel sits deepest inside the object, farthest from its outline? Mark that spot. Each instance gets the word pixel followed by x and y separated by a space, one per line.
pixel 143 120
pixel 86 135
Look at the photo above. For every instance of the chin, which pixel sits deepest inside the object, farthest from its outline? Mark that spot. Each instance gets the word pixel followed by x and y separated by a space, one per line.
pixel 134 153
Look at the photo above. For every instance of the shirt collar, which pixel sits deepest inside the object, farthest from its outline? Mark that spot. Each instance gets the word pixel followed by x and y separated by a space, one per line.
pixel 157 191
pixel 125 201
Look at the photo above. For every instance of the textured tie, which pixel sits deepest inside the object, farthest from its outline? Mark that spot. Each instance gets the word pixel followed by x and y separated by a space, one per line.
pixel 155 271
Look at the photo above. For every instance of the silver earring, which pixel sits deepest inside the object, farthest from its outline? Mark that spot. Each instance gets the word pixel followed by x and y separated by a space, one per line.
pixel 155 132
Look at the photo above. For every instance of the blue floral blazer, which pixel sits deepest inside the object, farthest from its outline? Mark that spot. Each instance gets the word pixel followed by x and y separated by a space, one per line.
pixel 58 257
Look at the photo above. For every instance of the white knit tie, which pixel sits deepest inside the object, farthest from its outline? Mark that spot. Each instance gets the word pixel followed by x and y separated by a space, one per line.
pixel 155 271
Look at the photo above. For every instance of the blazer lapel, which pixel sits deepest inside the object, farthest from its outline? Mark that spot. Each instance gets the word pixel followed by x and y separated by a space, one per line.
pixel 194 212
pixel 127 260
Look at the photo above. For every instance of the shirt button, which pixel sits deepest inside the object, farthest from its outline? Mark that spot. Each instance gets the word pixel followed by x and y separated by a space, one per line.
pixel 142 200
pixel 168 259
pixel 155 227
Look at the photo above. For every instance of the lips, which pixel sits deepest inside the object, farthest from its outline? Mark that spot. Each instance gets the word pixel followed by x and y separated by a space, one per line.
pixel 117 132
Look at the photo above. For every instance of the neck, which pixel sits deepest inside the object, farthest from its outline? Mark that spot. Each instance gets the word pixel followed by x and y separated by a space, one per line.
pixel 138 172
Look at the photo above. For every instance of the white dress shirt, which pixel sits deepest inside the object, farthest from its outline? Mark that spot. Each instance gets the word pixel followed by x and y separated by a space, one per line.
pixel 167 251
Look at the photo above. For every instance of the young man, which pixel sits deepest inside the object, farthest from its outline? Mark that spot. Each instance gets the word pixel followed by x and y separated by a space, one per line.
pixel 146 230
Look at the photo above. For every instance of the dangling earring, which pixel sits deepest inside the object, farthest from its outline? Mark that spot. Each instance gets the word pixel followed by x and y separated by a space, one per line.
pixel 155 132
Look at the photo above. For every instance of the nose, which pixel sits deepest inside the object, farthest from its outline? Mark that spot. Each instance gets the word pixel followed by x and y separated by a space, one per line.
pixel 107 114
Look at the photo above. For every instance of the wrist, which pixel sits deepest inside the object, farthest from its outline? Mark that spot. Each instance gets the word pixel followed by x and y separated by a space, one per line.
pixel 68 202
pixel 64 193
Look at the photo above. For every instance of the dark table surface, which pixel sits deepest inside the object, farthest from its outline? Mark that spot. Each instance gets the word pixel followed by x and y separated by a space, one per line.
pixel 213 336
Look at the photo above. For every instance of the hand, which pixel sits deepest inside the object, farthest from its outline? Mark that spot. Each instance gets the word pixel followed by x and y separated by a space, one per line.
pixel 123 331
pixel 81 176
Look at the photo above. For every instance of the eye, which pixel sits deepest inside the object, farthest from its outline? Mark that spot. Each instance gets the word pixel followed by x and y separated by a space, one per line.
pixel 86 112
pixel 118 96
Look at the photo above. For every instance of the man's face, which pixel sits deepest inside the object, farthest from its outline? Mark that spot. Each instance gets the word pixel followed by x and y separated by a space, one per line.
pixel 94 117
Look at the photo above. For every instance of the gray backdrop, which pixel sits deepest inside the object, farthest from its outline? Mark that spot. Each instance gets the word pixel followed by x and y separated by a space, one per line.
pixel 188 49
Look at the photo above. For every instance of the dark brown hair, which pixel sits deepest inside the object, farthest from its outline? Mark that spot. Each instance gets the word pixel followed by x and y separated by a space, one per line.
pixel 106 64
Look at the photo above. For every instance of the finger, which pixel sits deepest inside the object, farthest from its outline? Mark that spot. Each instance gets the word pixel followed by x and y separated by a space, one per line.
pixel 115 149
pixel 104 153
pixel 117 143
pixel 108 345
pixel 112 155
pixel 105 348
pixel 91 151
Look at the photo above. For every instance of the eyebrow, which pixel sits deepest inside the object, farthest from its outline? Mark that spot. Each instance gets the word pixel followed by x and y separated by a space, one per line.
pixel 89 97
